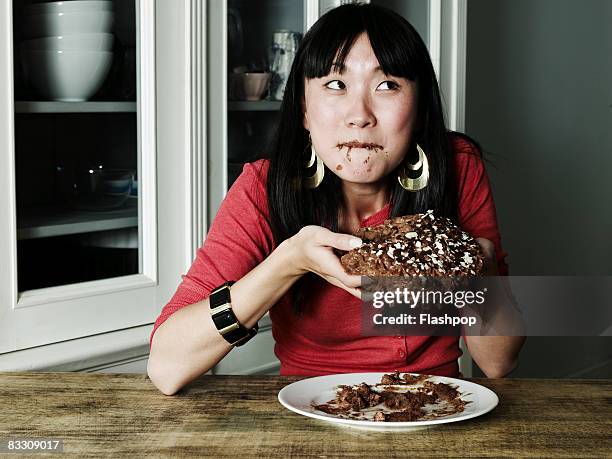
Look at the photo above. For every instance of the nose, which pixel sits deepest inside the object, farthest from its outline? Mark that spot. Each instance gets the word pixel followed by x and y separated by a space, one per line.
pixel 360 113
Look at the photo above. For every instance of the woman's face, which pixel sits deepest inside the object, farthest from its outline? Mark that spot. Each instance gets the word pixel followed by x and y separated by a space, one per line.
pixel 360 120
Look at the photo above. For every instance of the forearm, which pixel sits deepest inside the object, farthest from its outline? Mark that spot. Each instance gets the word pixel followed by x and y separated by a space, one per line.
pixel 495 355
pixel 188 344
pixel 496 351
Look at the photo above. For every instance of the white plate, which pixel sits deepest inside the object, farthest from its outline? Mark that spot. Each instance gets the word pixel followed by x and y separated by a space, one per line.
pixel 299 397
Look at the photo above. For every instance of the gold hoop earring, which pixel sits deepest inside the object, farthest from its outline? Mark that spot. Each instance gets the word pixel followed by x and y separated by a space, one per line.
pixel 417 183
pixel 314 180
pixel 313 154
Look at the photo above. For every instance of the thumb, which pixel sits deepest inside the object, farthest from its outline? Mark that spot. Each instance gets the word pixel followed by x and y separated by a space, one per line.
pixel 344 242
pixel 349 242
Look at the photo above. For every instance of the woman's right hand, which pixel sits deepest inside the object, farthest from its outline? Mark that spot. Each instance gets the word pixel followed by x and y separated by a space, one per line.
pixel 312 250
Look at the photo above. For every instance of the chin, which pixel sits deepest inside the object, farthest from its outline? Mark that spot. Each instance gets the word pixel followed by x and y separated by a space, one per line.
pixel 361 176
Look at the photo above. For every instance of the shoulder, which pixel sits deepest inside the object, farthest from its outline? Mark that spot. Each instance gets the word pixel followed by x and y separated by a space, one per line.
pixel 255 172
pixel 259 167
pixel 463 145
pixel 249 190
pixel 252 180
pixel 466 154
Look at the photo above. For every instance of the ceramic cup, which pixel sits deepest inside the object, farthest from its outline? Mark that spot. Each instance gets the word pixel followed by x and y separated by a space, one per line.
pixel 255 84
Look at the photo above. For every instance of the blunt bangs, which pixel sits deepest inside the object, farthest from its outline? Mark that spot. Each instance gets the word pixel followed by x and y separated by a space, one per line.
pixel 330 41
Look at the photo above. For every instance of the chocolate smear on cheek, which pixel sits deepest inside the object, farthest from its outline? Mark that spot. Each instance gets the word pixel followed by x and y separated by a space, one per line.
pixel 339 167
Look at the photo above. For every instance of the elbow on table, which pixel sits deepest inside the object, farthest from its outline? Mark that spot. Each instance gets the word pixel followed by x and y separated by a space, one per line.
pixel 161 379
pixel 498 369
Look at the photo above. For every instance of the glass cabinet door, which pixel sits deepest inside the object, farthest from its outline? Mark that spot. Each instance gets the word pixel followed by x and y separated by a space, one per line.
pixel 262 38
pixel 79 189
pixel 77 150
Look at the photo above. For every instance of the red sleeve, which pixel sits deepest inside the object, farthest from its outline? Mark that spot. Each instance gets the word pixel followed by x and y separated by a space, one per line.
pixel 239 238
pixel 477 213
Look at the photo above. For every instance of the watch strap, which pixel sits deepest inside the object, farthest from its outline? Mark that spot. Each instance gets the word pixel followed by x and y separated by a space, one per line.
pixel 224 318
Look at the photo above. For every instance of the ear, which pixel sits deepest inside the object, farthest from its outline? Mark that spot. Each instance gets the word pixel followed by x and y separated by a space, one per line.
pixel 305 116
pixel 419 124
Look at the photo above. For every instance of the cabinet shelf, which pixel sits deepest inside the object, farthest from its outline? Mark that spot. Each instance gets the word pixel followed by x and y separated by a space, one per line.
pixel 51 221
pixel 74 107
pixel 255 106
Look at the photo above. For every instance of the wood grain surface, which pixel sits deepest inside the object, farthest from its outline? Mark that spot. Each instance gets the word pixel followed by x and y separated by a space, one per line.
pixel 114 415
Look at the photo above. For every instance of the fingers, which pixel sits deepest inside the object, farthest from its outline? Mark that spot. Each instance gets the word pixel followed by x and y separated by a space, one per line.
pixel 323 236
pixel 350 283
pixel 332 267
pixel 348 280
pixel 487 247
pixel 325 263
pixel 352 290
pixel 351 280
pixel 339 241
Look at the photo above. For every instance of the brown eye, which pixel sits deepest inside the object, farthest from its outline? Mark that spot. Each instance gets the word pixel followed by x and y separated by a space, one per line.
pixel 335 84
pixel 390 85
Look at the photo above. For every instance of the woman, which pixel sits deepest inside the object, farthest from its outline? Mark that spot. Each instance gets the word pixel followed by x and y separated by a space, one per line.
pixel 360 104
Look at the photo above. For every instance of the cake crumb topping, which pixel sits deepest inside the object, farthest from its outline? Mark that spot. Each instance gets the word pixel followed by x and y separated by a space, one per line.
pixel 415 245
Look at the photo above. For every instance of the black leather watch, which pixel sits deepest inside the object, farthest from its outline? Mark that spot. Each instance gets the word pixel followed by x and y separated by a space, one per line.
pixel 224 318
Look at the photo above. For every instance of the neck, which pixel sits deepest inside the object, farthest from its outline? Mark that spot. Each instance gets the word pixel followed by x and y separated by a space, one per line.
pixel 362 200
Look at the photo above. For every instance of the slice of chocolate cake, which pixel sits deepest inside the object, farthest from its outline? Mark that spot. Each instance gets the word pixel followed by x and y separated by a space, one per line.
pixel 415 245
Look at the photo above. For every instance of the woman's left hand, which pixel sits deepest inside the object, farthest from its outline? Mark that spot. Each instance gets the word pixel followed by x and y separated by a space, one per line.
pixel 490 260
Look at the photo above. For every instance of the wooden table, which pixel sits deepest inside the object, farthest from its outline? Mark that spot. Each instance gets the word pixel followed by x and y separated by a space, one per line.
pixel 239 416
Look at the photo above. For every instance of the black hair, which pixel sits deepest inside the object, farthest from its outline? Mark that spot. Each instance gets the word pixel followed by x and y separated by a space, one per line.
pixel 401 53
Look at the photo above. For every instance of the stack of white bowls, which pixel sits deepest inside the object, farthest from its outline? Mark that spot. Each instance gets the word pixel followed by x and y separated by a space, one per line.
pixel 68 51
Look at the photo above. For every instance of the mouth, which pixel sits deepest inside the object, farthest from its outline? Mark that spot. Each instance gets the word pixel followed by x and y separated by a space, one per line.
pixel 357 144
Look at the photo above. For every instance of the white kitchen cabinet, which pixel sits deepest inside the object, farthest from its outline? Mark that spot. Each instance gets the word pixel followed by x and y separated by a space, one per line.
pixel 137 365
pixel 80 286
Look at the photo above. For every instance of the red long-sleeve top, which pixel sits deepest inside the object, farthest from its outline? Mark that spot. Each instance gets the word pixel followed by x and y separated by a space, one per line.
pixel 326 339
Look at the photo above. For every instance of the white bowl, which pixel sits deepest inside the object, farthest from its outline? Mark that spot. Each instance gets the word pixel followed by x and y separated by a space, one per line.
pixel 69 6
pixel 72 42
pixel 68 76
pixel 53 24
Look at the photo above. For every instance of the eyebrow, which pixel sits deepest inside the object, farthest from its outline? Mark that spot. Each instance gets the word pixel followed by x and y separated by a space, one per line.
pixel 342 67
